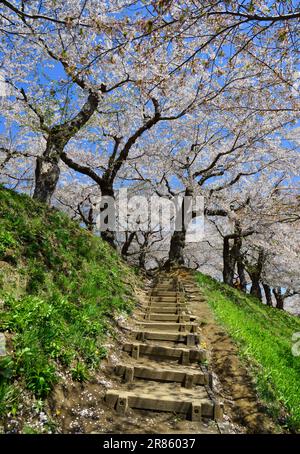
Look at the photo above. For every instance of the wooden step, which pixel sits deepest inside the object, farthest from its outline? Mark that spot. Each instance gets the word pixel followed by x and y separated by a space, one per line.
pixel 159 352
pixel 156 292
pixel 161 309
pixel 164 372
pixel 189 339
pixel 170 287
pixel 164 298
pixel 166 303
pixel 167 397
pixel 164 288
pixel 186 376
pixel 167 317
pixel 187 327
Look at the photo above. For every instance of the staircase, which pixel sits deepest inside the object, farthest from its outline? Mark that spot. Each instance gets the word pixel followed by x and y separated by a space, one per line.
pixel 166 368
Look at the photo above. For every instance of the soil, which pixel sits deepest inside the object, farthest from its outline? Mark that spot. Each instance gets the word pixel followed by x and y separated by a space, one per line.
pixel 231 374
pixel 80 408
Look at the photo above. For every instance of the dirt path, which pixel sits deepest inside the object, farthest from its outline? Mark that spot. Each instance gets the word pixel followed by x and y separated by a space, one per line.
pixel 83 408
pixel 155 366
pixel 234 383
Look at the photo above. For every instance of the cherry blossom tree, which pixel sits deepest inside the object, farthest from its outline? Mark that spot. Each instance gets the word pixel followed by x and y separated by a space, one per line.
pixel 264 31
pixel 261 225
pixel 186 98
pixel 61 59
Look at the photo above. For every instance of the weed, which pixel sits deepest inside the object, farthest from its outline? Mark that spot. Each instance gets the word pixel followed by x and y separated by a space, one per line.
pixel 79 372
pixel 264 336
pixel 58 309
pixel 28 430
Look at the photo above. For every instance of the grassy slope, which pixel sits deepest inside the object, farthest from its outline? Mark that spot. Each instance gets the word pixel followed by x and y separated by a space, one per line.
pixel 265 337
pixel 59 286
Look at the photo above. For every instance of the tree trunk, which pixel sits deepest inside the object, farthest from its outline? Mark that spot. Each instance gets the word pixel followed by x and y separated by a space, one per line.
pixel 240 264
pixel 232 257
pixel 279 298
pixel 108 233
pixel 109 237
pixel 242 277
pixel 126 245
pixel 177 243
pixel 268 294
pixel 228 263
pixel 47 173
pixel 255 275
pixel 107 226
pixel 90 220
pixel 142 259
pixel 47 166
pixel 255 287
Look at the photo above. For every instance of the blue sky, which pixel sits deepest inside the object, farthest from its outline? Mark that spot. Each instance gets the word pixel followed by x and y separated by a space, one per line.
pixel 54 75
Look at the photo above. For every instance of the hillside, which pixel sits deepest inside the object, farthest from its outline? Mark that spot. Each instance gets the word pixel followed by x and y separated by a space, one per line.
pixel 264 338
pixel 59 289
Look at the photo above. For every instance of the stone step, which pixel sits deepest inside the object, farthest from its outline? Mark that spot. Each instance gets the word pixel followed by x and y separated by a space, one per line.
pixel 159 352
pixel 167 317
pixel 189 339
pixel 187 327
pixel 155 371
pixel 167 397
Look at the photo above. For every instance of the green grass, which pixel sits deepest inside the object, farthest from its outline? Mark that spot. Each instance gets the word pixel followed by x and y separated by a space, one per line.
pixel 59 286
pixel 264 335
